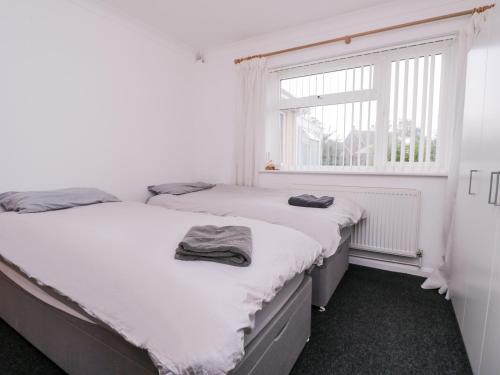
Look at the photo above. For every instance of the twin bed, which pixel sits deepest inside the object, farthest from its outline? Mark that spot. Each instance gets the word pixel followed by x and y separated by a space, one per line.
pixel 97 289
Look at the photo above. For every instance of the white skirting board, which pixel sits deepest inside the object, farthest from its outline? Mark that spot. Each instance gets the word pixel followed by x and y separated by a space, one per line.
pixel 392 267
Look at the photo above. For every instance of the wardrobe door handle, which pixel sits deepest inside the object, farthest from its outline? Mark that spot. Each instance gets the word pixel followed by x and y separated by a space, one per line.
pixel 496 190
pixel 491 185
pixel 470 181
pixel 494 201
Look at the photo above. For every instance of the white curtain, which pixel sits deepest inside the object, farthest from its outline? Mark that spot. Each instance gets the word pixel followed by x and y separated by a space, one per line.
pixel 439 278
pixel 251 117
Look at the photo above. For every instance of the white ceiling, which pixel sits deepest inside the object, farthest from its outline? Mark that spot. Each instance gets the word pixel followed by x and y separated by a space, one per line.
pixel 206 23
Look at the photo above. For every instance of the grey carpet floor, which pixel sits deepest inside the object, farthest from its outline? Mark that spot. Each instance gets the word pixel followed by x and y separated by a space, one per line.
pixel 376 323
pixel 379 322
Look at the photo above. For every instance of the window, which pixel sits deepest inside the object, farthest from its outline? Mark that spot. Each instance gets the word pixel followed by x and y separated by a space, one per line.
pixel 379 111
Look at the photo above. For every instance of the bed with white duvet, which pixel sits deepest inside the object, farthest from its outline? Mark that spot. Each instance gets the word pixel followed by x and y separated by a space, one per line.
pixel 331 227
pixel 116 262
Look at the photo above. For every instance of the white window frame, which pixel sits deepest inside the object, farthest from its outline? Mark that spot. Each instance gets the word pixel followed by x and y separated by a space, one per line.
pixel 381 60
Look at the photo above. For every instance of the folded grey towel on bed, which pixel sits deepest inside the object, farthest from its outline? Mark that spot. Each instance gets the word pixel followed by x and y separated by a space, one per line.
pixel 307 200
pixel 228 245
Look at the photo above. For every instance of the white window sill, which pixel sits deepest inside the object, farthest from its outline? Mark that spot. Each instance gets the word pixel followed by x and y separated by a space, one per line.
pixel 363 173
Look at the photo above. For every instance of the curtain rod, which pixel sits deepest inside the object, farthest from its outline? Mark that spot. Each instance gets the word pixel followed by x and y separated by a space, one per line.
pixel 439 39
pixel 348 38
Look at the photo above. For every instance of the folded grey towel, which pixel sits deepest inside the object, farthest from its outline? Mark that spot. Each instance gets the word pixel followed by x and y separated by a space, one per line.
pixel 307 200
pixel 228 245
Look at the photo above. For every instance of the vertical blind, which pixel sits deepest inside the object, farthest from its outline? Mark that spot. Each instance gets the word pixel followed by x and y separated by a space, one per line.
pixel 414 109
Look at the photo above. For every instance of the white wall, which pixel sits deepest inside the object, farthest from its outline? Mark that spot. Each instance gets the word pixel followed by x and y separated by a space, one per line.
pixel 218 97
pixel 89 99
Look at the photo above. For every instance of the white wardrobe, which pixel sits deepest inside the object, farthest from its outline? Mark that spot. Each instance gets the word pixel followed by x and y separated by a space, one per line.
pixel 475 271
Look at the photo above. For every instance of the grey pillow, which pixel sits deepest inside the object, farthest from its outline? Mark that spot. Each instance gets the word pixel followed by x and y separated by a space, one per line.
pixel 2 196
pixel 179 188
pixel 40 201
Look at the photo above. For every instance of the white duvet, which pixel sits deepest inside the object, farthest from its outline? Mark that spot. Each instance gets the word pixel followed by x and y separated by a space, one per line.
pixel 116 260
pixel 270 205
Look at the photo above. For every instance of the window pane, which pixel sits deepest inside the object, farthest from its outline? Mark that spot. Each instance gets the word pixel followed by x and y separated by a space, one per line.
pixel 335 82
pixel 333 135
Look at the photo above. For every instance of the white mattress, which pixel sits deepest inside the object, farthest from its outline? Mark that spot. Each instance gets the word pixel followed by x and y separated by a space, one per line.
pixel 39 293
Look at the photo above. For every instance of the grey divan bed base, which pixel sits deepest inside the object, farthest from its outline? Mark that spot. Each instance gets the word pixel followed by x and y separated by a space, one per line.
pixel 82 348
pixel 326 277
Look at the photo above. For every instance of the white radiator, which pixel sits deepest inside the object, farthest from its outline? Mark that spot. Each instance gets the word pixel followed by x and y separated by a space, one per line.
pixel 393 217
